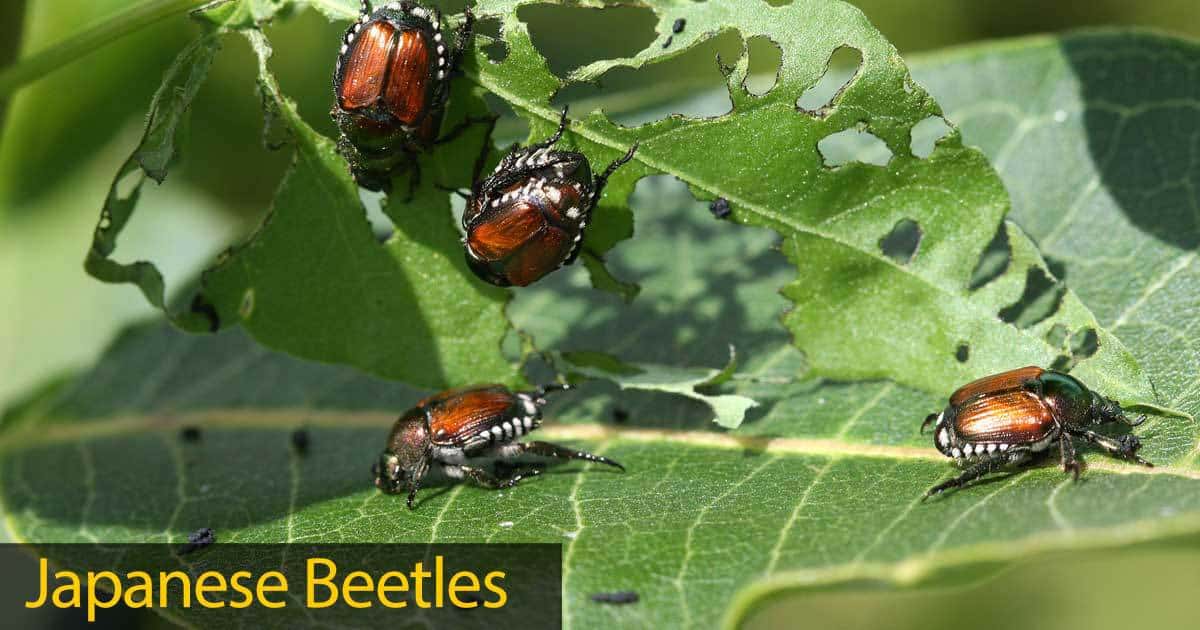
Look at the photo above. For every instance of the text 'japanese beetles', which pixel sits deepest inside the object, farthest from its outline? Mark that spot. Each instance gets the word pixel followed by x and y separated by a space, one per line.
pixel 446 429
pixel 1005 419
pixel 527 218
pixel 390 87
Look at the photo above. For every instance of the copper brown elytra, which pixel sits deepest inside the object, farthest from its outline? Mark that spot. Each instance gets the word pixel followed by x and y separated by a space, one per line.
pixel 1007 419
pixel 390 84
pixel 528 217
pixel 448 429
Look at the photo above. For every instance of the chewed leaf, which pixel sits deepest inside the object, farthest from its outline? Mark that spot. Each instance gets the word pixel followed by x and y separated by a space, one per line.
pixel 823 482
pixel 729 409
pixel 1099 181
pixel 155 152
pixel 861 310
pixel 314 280
pixel 906 315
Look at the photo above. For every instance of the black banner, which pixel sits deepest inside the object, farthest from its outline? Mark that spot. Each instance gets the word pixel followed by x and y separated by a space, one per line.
pixel 218 585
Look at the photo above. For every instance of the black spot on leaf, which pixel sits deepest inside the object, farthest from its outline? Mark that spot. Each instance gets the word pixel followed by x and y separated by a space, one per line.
pixel 720 208
pixel 198 539
pixel 617 597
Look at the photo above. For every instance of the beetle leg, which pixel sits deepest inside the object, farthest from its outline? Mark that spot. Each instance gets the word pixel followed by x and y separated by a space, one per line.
pixel 414 483
pixel 1141 419
pixel 602 179
pixel 547 449
pixel 481 159
pixel 1066 450
pixel 457 130
pixel 452 190
pixel 1012 457
pixel 414 180
pixel 1125 446
pixel 562 126
pixel 490 481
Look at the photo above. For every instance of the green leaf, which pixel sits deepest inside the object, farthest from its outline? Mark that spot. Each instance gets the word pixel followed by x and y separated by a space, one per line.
pixel 153 155
pixel 1091 134
pixel 407 310
pixel 901 319
pixel 729 409
pixel 819 489
pixel 859 313
pixel 314 280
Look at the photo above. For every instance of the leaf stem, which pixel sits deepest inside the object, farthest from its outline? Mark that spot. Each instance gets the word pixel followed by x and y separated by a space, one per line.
pixel 78 45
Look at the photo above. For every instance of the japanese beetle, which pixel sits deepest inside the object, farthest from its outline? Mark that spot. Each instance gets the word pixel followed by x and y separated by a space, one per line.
pixel 1007 418
pixel 448 428
pixel 390 87
pixel 527 218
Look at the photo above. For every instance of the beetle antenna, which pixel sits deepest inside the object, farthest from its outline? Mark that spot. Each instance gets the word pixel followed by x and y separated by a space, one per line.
pixel 481 159
pixel 602 179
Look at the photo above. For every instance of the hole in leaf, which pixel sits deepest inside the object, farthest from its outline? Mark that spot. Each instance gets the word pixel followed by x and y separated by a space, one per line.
pixel 129 182
pixel 496 49
pixel 993 262
pixel 766 59
pixel 1084 344
pixel 1040 300
pixel 962 353
pixel 1062 363
pixel 853 145
pixel 839 72
pixel 559 32
pixel 925 135
pixel 1057 336
pixel 689 84
pixel 902 242
pixel 381 224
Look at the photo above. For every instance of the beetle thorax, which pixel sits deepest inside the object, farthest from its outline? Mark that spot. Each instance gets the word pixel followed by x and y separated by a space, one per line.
pixel 410 439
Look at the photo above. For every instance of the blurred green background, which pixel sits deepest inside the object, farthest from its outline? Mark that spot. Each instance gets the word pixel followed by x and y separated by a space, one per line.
pixel 63 137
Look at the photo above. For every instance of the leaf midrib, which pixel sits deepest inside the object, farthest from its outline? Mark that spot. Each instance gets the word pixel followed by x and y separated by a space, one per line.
pixel 47 431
